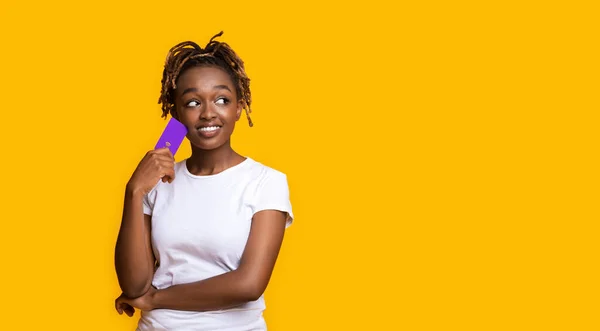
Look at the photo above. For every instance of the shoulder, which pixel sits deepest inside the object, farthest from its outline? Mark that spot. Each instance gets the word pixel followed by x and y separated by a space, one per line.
pixel 267 180
pixel 260 172
pixel 270 191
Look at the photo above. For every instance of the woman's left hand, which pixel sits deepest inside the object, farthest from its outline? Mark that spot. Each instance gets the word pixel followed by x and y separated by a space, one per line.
pixel 128 305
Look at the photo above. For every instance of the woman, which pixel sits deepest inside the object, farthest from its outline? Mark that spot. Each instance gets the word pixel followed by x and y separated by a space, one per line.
pixel 199 238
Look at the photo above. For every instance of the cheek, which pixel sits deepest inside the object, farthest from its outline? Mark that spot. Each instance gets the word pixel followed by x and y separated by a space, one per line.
pixel 188 116
pixel 229 114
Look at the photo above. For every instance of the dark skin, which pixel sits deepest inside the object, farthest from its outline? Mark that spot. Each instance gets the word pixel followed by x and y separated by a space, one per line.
pixel 205 97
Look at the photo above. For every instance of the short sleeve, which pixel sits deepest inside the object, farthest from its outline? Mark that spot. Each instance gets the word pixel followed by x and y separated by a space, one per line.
pixel 147 205
pixel 273 194
pixel 149 200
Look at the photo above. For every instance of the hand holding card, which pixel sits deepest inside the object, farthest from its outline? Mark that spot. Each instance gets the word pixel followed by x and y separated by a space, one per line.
pixel 172 136
pixel 158 164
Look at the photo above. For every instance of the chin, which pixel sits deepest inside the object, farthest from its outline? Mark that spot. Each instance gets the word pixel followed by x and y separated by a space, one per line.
pixel 208 147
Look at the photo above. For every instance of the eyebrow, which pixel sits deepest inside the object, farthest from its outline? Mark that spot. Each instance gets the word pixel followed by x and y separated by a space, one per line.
pixel 216 87
pixel 221 87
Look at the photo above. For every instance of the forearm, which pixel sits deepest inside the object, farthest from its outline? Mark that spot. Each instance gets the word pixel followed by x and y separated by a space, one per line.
pixel 220 292
pixel 133 259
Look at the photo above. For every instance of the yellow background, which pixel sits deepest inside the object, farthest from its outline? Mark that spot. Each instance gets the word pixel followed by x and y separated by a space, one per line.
pixel 442 157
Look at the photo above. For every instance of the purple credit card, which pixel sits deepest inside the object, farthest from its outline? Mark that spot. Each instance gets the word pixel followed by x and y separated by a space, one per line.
pixel 172 136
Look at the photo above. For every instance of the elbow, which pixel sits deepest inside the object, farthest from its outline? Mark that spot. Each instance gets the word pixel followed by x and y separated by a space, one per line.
pixel 253 289
pixel 253 294
pixel 136 291
pixel 133 284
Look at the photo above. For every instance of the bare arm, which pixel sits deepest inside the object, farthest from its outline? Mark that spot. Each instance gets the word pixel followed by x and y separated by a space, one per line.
pixel 247 283
pixel 134 260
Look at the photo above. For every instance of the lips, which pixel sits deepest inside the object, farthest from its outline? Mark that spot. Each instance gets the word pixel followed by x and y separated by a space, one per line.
pixel 208 131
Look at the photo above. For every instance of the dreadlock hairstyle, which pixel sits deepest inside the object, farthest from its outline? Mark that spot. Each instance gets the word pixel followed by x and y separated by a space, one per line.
pixel 188 54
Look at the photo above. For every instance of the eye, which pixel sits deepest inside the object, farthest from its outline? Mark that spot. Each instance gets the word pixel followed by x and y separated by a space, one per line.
pixel 193 103
pixel 222 101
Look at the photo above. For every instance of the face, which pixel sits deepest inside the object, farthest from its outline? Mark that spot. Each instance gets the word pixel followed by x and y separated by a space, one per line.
pixel 206 103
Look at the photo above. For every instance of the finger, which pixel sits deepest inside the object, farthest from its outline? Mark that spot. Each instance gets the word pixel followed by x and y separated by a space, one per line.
pixel 166 167
pixel 164 161
pixel 119 307
pixel 129 310
pixel 171 174
pixel 161 153
pixel 125 307
pixel 169 177
pixel 161 161
pixel 164 151
pixel 167 172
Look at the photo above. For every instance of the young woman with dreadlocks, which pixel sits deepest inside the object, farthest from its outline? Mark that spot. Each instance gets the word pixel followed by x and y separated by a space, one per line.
pixel 199 238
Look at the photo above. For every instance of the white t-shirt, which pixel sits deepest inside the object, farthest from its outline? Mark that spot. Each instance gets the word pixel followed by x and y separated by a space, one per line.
pixel 200 226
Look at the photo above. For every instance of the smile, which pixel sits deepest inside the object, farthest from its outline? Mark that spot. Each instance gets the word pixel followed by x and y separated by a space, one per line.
pixel 209 128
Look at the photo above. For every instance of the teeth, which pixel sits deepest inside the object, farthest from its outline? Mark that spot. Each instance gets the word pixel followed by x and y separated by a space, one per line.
pixel 209 128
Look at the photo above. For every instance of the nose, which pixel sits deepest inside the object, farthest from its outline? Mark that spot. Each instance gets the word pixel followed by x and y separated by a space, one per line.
pixel 207 112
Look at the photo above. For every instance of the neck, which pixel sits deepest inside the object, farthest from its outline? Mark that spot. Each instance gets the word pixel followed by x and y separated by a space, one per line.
pixel 210 162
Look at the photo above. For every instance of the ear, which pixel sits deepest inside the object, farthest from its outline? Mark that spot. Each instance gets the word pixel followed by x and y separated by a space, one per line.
pixel 238 111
